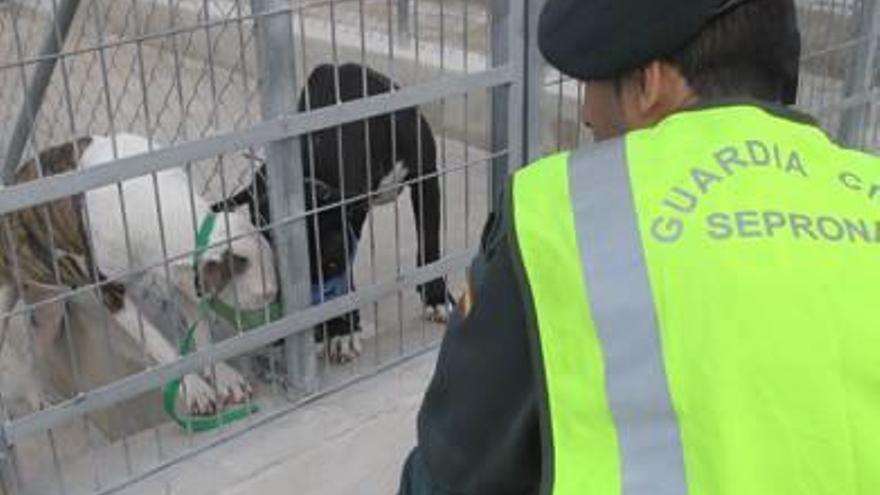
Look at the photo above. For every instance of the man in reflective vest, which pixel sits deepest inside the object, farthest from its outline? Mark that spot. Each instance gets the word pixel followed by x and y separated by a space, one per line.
pixel 688 306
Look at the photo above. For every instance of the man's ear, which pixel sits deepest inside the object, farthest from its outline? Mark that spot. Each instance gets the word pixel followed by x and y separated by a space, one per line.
pixel 653 92
pixel 651 81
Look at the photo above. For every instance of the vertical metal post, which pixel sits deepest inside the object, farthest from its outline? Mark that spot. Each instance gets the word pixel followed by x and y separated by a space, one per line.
pixel 534 85
pixel 6 473
pixel 50 52
pixel 860 78
pixel 508 48
pixel 3 470
pixel 278 89
pixel 403 33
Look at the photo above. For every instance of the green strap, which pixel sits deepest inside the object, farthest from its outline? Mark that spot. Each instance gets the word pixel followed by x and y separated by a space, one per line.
pixel 199 424
pixel 203 237
pixel 248 320
pixel 171 391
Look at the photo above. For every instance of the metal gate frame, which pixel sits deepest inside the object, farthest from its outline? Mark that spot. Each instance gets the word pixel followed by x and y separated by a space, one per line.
pixel 280 128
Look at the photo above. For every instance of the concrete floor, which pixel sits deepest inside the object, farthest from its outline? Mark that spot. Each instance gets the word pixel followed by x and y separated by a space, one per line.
pixel 351 442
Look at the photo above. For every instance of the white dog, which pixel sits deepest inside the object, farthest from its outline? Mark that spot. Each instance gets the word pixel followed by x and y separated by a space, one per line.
pixel 237 266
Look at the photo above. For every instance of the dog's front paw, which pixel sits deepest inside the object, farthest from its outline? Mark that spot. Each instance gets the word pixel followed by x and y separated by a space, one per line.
pixel 437 314
pixel 231 387
pixel 437 301
pixel 344 348
pixel 199 397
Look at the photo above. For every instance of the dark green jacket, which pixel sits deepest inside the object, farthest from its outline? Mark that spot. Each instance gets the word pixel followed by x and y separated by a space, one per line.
pixel 478 425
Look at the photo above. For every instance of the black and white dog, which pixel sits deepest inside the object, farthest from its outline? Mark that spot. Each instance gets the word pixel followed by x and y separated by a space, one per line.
pixel 360 165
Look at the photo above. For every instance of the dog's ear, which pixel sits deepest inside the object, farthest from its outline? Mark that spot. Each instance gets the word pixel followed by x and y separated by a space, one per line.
pixel 47 315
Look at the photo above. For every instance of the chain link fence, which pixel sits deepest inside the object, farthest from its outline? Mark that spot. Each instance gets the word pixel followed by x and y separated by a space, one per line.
pixel 840 75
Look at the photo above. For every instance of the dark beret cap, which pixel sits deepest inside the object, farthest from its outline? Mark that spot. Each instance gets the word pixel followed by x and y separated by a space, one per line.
pixel 598 39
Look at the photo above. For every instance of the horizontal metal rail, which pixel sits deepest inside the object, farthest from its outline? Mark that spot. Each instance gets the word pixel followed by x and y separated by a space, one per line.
pixel 137 384
pixel 84 289
pixel 296 124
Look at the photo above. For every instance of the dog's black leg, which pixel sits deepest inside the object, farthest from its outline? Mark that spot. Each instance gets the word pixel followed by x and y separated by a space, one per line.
pixel 421 157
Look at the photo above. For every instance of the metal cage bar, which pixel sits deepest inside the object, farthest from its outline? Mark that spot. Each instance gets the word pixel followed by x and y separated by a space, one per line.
pixel 63 185
pixel 278 86
pixel 508 111
pixel 861 78
pixel 53 45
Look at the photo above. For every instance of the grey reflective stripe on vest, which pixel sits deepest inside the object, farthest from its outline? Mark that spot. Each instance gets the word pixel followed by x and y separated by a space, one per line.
pixel 623 310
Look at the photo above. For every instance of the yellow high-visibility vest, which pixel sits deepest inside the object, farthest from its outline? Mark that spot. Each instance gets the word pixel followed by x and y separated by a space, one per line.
pixel 706 304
